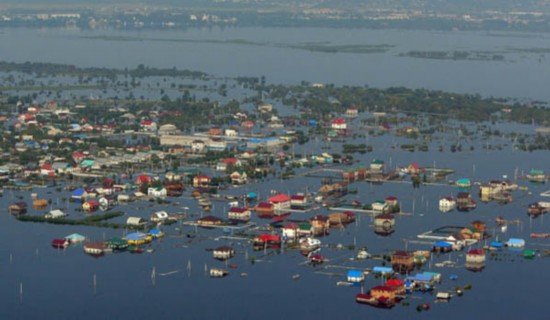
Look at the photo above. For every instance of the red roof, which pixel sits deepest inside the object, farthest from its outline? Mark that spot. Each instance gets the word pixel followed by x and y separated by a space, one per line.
pixel 146 123
pixel 269 237
pixel 290 226
pixel 264 205
pixel 476 252
pixel 248 124
pixel 47 166
pixel 395 283
pixel 297 197
pixel 238 210
pixel 230 160
pixel 281 197
pixel 143 179
pixel 382 288
pixel 339 121
pixel 391 198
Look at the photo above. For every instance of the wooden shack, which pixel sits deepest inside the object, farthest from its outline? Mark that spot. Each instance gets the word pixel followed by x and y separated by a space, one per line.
pixel 39 204
pixel 18 208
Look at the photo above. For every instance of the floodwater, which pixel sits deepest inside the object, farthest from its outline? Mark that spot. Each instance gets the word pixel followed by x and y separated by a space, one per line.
pixel 271 52
pixel 37 280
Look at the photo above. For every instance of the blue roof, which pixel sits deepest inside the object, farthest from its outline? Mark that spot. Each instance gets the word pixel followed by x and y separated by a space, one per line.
pixel 442 244
pixel 382 270
pixel 78 192
pixel 421 277
pixel 252 195
pixel 496 244
pixel 136 236
pixel 355 273
pixel 516 241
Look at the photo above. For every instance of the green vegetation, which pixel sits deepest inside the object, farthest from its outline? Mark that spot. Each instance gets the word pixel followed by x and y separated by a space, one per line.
pixel 95 220
pixel 455 55
pixel 55 69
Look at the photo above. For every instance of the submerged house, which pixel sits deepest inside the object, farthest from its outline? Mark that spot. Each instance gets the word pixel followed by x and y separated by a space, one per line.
pixel 241 214
pixel 18 208
pixel 223 253
pixel 402 261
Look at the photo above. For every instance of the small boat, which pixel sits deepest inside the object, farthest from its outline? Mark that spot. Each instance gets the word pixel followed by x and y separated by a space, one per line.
pixel 540 235
pixel 295 277
pixel 218 273
pixel 443 296
pixel 344 284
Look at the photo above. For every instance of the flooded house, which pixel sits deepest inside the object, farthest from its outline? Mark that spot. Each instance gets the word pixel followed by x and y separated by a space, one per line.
pixel 18 208
pixel 537 208
pixel 107 202
pixel 94 248
pixel 223 253
pixel 239 214
pixel 239 177
pixel 299 202
pixel 397 284
pixel 159 216
pixel 384 224
pixel 447 204
pixel 290 231
pixel 355 276
pixel 475 260
pixel 54 214
pixel 201 181
pixel 320 224
pixel 402 261
pixel 442 247
pixel 480 226
pixel 280 202
pixel 266 240
pixel 305 229
pixel 465 202
pixel 341 218
pixel 39 204
pixel 265 209
pixel 209 221
pixel 393 204
pixel 135 221
pixel 376 166
pixel 90 206
pixel 536 176
pixel 383 292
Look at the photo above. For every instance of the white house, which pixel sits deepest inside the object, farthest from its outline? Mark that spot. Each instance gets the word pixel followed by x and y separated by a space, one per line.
pixel 236 213
pixel 135 221
pixel 198 146
pixel 159 192
pixel 56 213
pixel 159 216
pixel 231 132
pixel 339 124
